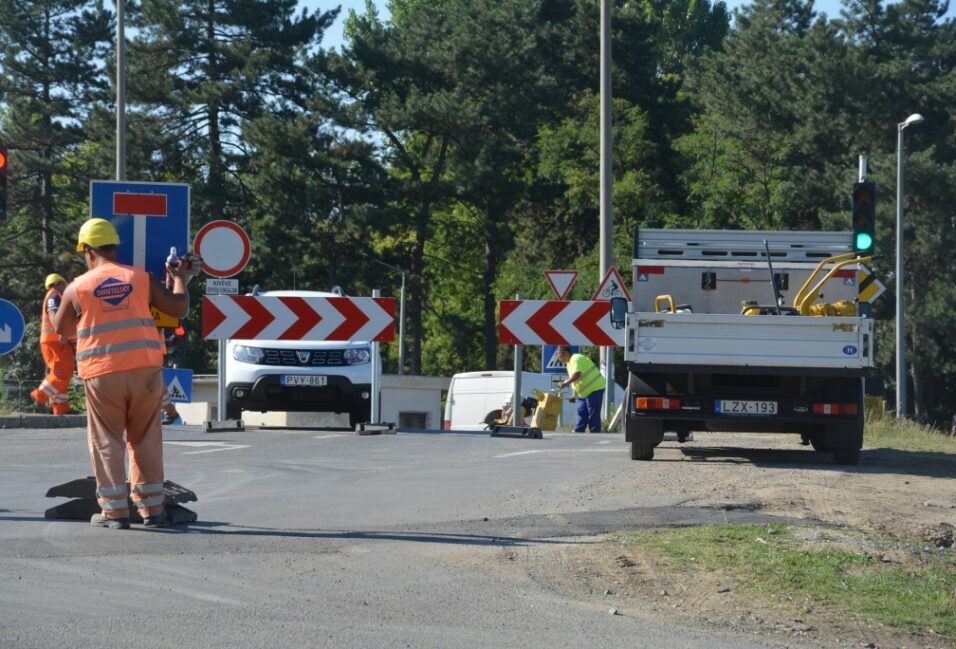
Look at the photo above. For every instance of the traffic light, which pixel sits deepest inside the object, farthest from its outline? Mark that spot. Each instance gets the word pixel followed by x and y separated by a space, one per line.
pixel 864 218
pixel 3 184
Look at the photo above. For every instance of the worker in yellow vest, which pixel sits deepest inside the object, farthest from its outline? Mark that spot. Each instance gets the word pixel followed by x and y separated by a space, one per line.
pixel 56 350
pixel 119 356
pixel 587 383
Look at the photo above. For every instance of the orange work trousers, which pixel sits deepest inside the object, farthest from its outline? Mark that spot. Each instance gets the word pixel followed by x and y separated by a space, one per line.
pixel 126 401
pixel 59 359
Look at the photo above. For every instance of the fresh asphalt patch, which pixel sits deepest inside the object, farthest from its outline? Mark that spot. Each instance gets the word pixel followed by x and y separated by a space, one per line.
pixel 546 527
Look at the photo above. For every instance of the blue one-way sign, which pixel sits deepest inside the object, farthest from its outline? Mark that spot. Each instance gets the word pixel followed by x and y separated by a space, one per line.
pixel 150 218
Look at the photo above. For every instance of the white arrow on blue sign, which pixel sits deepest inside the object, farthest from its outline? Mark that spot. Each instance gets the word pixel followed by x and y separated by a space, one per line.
pixel 150 218
pixel 11 327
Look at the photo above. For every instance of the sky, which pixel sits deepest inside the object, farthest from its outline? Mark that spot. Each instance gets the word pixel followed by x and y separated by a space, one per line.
pixel 333 37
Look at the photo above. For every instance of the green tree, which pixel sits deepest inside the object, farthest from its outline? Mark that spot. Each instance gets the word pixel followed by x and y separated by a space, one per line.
pixel 204 68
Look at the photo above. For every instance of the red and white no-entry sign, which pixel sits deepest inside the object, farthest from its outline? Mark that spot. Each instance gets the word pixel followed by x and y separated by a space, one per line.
pixel 224 248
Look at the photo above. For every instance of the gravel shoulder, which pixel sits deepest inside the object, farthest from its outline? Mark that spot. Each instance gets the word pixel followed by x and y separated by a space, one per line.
pixel 896 496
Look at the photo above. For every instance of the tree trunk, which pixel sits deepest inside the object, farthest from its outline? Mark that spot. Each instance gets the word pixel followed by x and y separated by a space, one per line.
pixel 217 199
pixel 415 290
pixel 46 175
pixel 489 274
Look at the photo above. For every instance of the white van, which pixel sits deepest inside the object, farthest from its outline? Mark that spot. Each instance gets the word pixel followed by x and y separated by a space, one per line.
pixel 472 396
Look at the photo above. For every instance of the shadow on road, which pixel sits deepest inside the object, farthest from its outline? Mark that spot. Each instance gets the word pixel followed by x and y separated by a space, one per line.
pixel 879 460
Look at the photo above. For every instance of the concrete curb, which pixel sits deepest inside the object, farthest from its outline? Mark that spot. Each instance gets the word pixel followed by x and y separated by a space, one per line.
pixel 23 420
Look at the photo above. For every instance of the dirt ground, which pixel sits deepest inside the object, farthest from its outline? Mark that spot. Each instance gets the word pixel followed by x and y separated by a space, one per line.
pixel 907 499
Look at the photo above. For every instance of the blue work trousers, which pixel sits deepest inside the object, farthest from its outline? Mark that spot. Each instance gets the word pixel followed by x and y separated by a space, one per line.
pixel 589 412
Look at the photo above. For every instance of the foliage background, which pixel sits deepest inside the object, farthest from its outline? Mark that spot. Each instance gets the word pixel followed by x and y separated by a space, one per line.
pixel 457 140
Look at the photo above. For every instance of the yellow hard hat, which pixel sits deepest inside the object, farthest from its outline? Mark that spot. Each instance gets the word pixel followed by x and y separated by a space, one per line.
pixel 52 279
pixel 97 233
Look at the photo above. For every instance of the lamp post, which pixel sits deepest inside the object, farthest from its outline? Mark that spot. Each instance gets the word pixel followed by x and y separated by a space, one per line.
pixel 120 92
pixel 915 118
pixel 401 316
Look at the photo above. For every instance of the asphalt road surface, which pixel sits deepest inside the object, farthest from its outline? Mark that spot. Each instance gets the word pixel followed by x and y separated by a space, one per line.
pixel 311 538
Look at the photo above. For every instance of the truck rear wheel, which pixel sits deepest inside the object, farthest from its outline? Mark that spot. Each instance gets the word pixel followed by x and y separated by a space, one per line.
pixel 848 456
pixel 819 443
pixel 642 450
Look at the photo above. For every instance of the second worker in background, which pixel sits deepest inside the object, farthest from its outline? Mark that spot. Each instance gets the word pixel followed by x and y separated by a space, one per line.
pixel 587 383
pixel 56 350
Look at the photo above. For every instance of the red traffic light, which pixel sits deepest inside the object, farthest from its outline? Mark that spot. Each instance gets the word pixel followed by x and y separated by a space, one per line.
pixel 3 158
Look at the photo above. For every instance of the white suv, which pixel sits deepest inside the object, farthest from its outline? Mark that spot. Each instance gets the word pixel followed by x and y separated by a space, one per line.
pixel 299 376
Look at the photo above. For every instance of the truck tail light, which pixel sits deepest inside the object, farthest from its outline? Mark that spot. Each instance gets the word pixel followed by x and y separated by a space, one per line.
pixel 656 403
pixel 836 409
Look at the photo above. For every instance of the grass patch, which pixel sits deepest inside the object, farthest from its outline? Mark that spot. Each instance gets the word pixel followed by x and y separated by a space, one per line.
pixel 907 436
pixel 768 561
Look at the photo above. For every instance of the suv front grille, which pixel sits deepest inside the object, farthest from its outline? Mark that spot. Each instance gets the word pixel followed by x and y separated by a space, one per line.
pixel 312 357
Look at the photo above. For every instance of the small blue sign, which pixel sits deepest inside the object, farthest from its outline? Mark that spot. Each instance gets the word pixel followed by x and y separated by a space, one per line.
pixel 11 327
pixel 150 218
pixel 550 363
pixel 179 384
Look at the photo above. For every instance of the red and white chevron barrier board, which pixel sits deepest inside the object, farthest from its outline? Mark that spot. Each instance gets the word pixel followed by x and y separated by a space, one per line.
pixel 556 322
pixel 264 317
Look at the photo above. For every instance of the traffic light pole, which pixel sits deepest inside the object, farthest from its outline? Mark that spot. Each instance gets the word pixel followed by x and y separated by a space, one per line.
pixel 900 330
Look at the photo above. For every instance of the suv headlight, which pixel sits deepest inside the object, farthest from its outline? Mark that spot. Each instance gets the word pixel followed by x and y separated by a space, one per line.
pixel 246 354
pixel 357 356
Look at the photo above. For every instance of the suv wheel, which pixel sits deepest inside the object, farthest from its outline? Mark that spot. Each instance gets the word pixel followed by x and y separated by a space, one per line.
pixel 361 415
pixel 233 411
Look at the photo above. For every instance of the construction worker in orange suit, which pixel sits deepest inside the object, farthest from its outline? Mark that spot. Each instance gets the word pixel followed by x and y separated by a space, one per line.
pixel 57 352
pixel 119 356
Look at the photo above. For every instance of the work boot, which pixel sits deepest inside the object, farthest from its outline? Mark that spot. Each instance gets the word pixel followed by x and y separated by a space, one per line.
pixel 99 520
pixel 157 520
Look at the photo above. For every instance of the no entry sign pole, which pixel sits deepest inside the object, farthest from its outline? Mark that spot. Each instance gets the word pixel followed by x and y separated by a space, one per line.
pixel 376 378
pixel 225 249
pixel 221 376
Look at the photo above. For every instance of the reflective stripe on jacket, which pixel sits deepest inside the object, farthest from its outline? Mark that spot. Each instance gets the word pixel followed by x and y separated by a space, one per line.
pixel 116 331
pixel 591 379
pixel 47 332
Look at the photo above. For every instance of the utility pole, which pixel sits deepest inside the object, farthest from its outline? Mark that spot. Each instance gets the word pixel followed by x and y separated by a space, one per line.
pixel 120 92
pixel 606 181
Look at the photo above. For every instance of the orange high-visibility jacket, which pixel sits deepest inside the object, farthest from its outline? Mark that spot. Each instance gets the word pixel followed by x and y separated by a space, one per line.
pixel 47 332
pixel 116 331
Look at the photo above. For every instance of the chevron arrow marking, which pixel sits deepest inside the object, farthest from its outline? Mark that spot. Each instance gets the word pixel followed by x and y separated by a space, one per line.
pixel 555 322
pixel 269 317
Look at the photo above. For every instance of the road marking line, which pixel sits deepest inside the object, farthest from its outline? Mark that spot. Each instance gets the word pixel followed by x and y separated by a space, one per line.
pixel 562 450
pixel 218 446
pixel 517 453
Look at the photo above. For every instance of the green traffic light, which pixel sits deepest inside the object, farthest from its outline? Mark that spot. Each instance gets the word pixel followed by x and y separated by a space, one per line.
pixel 864 241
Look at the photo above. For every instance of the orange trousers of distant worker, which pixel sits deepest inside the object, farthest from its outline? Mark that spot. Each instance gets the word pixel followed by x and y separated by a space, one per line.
pixel 60 360
pixel 129 401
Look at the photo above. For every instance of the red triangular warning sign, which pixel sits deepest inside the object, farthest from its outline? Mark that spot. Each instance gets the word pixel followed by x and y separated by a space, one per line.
pixel 611 286
pixel 561 281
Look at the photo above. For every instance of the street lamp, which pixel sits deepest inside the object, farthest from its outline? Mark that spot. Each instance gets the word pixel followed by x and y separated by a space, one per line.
pixel 915 118
pixel 401 315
